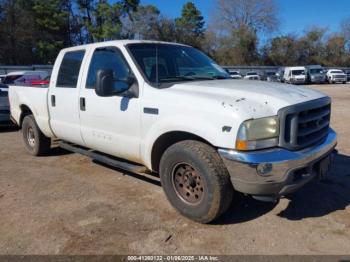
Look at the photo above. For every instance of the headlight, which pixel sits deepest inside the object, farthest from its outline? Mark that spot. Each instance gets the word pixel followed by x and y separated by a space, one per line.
pixel 258 133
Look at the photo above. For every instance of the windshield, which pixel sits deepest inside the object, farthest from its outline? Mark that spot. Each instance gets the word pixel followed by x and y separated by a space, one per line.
pixel 298 72
pixel 270 73
pixel 234 73
pixel 10 80
pixel 164 63
pixel 316 71
pixel 337 72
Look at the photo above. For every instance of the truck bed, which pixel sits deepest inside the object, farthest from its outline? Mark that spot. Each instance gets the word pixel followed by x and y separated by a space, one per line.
pixel 35 99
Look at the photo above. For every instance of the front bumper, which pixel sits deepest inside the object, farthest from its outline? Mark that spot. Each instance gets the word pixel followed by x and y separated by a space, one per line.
pixel 338 79
pixel 289 170
pixel 317 80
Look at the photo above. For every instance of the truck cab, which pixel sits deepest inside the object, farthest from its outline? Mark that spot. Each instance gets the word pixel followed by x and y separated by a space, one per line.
pixel 169 110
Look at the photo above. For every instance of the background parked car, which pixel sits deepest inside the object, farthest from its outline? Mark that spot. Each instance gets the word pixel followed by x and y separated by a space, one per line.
pixel 347 72
pixel 235 74
pixel 4 106
pixel 280 74
pixel 41 82
pixel 295 75
pixel 23 77
pixel 315 74
pixel 252 76
pixel 336 76
pixel 2 77
pixel 269 76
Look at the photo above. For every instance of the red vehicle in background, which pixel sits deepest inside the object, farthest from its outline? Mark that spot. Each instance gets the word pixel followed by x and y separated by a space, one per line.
pixel 41 82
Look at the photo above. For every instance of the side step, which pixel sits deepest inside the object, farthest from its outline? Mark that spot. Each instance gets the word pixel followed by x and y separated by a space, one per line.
pixel 108 160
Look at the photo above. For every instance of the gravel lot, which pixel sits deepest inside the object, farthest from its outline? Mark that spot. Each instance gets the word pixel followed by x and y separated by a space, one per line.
pixel 67 204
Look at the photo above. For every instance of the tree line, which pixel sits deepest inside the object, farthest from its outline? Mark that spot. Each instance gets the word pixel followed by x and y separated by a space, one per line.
pixel 33 31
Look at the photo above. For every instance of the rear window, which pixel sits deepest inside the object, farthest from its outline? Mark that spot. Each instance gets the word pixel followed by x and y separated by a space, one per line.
pixel 69 70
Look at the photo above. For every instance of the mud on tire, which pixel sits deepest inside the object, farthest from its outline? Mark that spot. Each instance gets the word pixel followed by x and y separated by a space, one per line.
pixel 195 180
pixel 36 143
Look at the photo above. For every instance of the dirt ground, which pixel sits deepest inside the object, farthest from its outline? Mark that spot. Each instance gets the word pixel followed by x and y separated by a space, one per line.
pixel 67 204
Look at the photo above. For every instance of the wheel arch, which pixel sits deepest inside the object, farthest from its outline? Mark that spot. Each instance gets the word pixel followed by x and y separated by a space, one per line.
pixel 164 141
pixel 25 111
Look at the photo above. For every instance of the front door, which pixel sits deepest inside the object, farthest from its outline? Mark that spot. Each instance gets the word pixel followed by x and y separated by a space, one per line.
pixel 110 124
pixel 64 98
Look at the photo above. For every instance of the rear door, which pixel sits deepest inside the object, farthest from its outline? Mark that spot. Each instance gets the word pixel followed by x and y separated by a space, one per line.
pixel 63 97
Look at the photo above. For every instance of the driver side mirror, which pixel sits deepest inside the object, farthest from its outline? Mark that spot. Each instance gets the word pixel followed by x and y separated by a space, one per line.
pixel 107 85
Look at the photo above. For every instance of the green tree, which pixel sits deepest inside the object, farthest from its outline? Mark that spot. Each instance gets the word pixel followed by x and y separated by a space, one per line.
pixel 17 34
pixel 190 26
pixel 280 50
pixel 143 23
pixel 52 24
pixel 336 54
pixel 310 47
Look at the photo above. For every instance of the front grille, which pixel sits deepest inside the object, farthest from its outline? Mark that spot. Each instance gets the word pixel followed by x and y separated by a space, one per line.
pixel 339 76
pixel 305 124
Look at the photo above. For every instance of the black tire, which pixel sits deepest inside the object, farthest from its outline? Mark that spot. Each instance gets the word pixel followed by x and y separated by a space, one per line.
pixel 207 176
pixel 36 143
pixel 344 82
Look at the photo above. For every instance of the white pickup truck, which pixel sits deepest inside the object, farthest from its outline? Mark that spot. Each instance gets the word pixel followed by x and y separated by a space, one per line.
pixel 170 110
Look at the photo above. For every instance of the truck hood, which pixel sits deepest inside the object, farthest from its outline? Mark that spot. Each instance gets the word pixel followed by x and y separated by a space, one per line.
pixel 253 99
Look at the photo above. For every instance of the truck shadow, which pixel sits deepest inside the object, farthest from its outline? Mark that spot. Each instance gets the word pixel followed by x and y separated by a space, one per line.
pixel 148 178
pixel 320 198
pixel 8 128
pixel 317 199
pixel 57 151
pixel 243 209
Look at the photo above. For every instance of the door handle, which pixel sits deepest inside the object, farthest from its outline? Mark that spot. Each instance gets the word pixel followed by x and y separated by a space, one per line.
pixel 82 104
pixel 53 101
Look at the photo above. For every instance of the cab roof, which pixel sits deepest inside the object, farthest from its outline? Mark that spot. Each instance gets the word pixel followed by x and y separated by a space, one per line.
pixel 118 43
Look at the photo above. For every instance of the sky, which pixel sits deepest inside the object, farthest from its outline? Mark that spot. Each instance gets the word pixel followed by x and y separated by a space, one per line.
pixel 295 15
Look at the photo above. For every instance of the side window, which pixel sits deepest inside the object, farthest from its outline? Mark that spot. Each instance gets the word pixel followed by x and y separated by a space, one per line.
pixel 108 58
pixel 69 70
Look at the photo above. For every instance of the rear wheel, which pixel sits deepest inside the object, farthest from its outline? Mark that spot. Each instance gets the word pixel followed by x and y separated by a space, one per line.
pixel 36 143
pixel 195 181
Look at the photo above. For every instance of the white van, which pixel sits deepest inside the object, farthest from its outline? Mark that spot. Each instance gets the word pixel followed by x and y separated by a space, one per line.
pixel 295 75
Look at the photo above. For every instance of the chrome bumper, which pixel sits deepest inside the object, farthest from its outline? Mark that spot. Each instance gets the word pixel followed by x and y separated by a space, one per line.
pixel 284 171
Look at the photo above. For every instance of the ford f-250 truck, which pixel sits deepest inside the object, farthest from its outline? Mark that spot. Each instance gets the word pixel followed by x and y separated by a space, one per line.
pixel 168 109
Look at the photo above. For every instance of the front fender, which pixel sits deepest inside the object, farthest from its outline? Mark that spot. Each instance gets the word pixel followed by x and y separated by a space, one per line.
pixel 208 131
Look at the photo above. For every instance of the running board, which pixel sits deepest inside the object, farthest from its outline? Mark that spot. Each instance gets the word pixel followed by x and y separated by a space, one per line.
pixel 108 160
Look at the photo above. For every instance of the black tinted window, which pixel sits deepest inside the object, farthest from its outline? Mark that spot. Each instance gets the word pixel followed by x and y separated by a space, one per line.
pixel 108 59
pixel 162 63
pixel 69 70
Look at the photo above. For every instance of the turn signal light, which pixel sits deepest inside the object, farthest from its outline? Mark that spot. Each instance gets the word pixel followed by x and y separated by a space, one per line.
pixel 241 145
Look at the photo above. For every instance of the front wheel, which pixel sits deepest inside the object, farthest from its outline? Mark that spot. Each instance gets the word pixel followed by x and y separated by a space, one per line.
pixel 36 143
pixel 195 180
